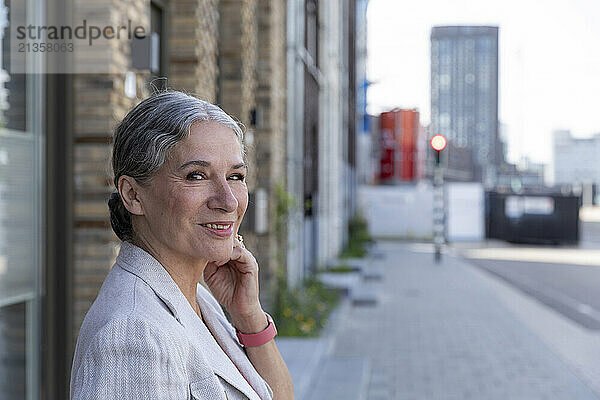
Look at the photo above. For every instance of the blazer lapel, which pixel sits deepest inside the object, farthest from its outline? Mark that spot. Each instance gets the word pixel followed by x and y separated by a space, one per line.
pixel 252 384
pixel 219 361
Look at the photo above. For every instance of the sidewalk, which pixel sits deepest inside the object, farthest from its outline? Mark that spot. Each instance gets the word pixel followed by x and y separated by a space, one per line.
pixel 438 332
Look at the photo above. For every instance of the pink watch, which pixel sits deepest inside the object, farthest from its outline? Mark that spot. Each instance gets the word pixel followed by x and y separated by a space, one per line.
pixel 260 338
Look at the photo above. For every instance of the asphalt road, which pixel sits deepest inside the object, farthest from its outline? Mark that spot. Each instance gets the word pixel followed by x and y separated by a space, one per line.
pixel 571 289
pixel 590 234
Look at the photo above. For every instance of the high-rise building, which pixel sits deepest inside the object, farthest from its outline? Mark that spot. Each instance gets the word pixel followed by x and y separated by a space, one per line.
pixel 464 99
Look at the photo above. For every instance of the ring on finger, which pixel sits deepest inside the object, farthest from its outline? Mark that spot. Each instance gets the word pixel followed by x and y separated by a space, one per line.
pixel 241 240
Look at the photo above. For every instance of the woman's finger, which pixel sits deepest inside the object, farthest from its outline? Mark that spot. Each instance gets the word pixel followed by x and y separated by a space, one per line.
pixel 242 256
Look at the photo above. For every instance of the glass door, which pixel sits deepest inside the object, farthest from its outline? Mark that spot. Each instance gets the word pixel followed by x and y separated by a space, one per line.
pixel 21 158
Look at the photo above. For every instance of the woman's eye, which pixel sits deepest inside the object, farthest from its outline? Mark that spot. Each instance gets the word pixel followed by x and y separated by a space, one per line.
pixel 238 177
pixel 194 176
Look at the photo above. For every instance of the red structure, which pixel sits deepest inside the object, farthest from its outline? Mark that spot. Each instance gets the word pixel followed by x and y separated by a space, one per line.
pixel 400 131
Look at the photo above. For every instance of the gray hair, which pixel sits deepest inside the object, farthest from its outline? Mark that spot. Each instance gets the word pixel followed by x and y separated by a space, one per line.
pixel 143 139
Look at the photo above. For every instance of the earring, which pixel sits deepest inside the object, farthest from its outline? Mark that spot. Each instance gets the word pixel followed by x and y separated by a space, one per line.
pixel 241 240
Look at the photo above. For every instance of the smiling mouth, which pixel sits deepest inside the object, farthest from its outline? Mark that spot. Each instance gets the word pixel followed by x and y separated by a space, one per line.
pixel 218 227
pixel 219 230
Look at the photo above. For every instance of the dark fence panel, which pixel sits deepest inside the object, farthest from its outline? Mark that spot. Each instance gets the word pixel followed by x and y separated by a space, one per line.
pixel 520 219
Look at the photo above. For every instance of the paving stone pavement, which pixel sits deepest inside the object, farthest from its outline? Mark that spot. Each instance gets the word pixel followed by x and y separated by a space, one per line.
pixel 438 332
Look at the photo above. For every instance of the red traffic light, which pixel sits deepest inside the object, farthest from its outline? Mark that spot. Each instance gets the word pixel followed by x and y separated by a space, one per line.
pixel 438 142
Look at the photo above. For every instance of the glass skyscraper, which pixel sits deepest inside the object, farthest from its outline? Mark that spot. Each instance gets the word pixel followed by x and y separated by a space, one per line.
pixel 464 99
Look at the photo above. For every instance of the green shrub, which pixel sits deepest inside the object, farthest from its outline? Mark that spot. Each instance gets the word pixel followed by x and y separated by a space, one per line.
pixel 358 238
pixel 304 311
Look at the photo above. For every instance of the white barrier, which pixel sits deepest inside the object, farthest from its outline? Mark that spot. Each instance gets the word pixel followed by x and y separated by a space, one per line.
pixel 406 211
pixel 402 211
pixel 465 208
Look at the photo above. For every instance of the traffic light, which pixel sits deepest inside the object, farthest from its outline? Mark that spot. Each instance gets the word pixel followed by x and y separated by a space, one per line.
pixel 438 143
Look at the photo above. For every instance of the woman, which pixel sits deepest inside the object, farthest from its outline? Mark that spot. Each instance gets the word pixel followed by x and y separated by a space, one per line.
pixel 154 332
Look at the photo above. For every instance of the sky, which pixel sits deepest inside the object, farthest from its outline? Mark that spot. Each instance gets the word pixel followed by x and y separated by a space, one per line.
pixel 549 63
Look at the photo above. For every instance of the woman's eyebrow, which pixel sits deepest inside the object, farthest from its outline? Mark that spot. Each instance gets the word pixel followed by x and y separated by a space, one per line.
pixel 202 163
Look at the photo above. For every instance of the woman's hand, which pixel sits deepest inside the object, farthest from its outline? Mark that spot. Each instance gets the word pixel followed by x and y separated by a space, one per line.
pixel 234 283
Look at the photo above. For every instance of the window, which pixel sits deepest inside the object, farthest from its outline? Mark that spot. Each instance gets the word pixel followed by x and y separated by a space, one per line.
pixel 158 43
pixel 20 227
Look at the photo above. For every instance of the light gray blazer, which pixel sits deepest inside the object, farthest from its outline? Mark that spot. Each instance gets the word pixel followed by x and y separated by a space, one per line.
pixel 141 339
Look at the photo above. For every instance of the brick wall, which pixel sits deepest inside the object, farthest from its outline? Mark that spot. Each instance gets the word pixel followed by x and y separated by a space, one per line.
pixel 193 40
pixel 237 57
pixel 271 128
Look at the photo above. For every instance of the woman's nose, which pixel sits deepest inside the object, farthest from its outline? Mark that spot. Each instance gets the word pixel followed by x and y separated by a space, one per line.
pixel 223 197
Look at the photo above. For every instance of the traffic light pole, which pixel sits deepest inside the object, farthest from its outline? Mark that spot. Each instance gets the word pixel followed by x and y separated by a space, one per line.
pixel 438 210
pixel 438 143
pixel 439 216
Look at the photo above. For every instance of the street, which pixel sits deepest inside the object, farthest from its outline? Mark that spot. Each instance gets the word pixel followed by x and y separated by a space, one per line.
pixel 564 278
pixel 443 331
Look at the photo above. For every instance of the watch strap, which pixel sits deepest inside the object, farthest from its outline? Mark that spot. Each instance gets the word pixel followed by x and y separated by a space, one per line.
pixel 260 338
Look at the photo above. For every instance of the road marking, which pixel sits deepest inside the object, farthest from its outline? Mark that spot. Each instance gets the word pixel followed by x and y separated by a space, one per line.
pixel 422 247
pixel 589 214
pixel 552 256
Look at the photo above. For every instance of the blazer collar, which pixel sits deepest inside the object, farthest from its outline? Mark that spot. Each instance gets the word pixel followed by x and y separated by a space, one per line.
pixel 140 263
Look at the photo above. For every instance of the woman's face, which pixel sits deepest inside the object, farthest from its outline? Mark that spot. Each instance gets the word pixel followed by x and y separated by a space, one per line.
pixel 195 203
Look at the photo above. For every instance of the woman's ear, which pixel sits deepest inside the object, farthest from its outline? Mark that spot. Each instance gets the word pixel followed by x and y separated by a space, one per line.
pixel 129 192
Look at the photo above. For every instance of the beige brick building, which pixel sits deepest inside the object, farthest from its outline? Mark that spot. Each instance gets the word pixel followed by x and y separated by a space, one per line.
pixel 270 132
